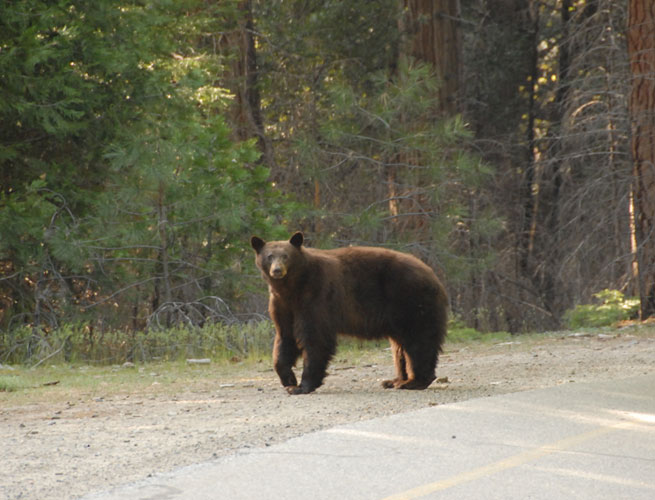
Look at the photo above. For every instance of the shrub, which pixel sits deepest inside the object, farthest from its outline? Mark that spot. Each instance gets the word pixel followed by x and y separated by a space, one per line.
pixel 611 308
pixel 78 343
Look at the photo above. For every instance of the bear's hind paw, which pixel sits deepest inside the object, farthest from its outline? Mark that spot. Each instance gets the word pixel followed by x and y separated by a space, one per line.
pixel 416 384
pixel 391 384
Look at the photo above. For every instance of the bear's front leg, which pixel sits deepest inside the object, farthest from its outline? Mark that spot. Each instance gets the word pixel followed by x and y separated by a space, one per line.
pixel 313 374
pixel 285 354
pixel 316 358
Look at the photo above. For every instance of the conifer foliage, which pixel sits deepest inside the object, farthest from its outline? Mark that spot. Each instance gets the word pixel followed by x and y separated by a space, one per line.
pixel 122 192
pixel 143 142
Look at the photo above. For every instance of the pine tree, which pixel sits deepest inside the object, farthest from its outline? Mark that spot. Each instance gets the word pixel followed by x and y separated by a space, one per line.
pixel 121 187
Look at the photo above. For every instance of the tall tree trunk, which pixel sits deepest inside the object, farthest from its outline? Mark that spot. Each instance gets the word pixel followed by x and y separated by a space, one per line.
pixel 431 29
pixel 549 215
pixel 243 83
pixel 641 50
pixel 162 228
pixel 430 34
pixel 528 227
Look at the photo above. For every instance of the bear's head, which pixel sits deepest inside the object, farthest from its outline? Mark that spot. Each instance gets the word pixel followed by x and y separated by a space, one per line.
pixel 275 258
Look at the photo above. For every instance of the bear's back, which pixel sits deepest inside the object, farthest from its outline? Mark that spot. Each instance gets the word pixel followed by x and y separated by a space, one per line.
pixel 374 260
pixel 377 290
pixel 373 273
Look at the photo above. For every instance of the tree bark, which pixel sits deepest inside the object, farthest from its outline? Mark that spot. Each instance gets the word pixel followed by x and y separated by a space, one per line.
pixel 243 83
pixel 432 35
pixel 528 227
pixel 162 229
pixel 641 51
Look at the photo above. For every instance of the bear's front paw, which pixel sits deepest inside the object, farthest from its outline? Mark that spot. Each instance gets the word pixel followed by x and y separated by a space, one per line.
pixel 299 389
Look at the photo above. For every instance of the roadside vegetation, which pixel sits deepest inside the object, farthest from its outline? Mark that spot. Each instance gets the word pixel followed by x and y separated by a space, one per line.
pixel 178 359
pixel 239 341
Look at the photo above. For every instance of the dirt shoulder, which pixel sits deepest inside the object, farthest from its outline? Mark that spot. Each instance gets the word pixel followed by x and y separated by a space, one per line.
pixel 65 447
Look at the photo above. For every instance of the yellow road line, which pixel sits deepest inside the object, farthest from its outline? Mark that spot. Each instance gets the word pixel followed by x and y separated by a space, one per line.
pixel 508 463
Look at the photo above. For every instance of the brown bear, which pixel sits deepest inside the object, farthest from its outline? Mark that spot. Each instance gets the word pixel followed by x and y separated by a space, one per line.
pixel 361 291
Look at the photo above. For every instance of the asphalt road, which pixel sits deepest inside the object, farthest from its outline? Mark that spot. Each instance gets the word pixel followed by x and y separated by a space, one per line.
pixel 573 441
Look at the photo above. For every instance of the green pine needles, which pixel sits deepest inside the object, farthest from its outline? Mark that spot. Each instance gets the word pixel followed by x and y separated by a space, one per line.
pixel 123 188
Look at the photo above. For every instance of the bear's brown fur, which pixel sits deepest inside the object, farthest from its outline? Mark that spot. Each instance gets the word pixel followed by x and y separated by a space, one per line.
pixel 362 291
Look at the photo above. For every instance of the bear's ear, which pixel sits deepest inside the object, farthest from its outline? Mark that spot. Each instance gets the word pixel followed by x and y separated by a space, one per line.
pixel 257 243
pixel 297 239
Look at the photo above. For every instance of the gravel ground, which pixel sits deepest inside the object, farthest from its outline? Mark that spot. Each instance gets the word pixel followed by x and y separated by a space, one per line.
pixel 65 449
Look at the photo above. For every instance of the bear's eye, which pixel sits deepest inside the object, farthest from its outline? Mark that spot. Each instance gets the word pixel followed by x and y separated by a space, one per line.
pixel 269 257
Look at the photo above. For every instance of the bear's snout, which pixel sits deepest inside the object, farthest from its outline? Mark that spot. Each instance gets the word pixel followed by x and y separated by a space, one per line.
pixel 277 270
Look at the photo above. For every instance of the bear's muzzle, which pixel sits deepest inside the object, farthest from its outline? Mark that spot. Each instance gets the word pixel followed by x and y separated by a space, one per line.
pixel 277 271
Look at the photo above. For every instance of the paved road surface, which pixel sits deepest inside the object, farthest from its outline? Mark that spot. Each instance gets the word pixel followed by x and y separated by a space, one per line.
pixel 574 441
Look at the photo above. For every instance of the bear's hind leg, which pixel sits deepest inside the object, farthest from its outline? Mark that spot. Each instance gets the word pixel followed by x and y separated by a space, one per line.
pixel 399 363
pixel 421 362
